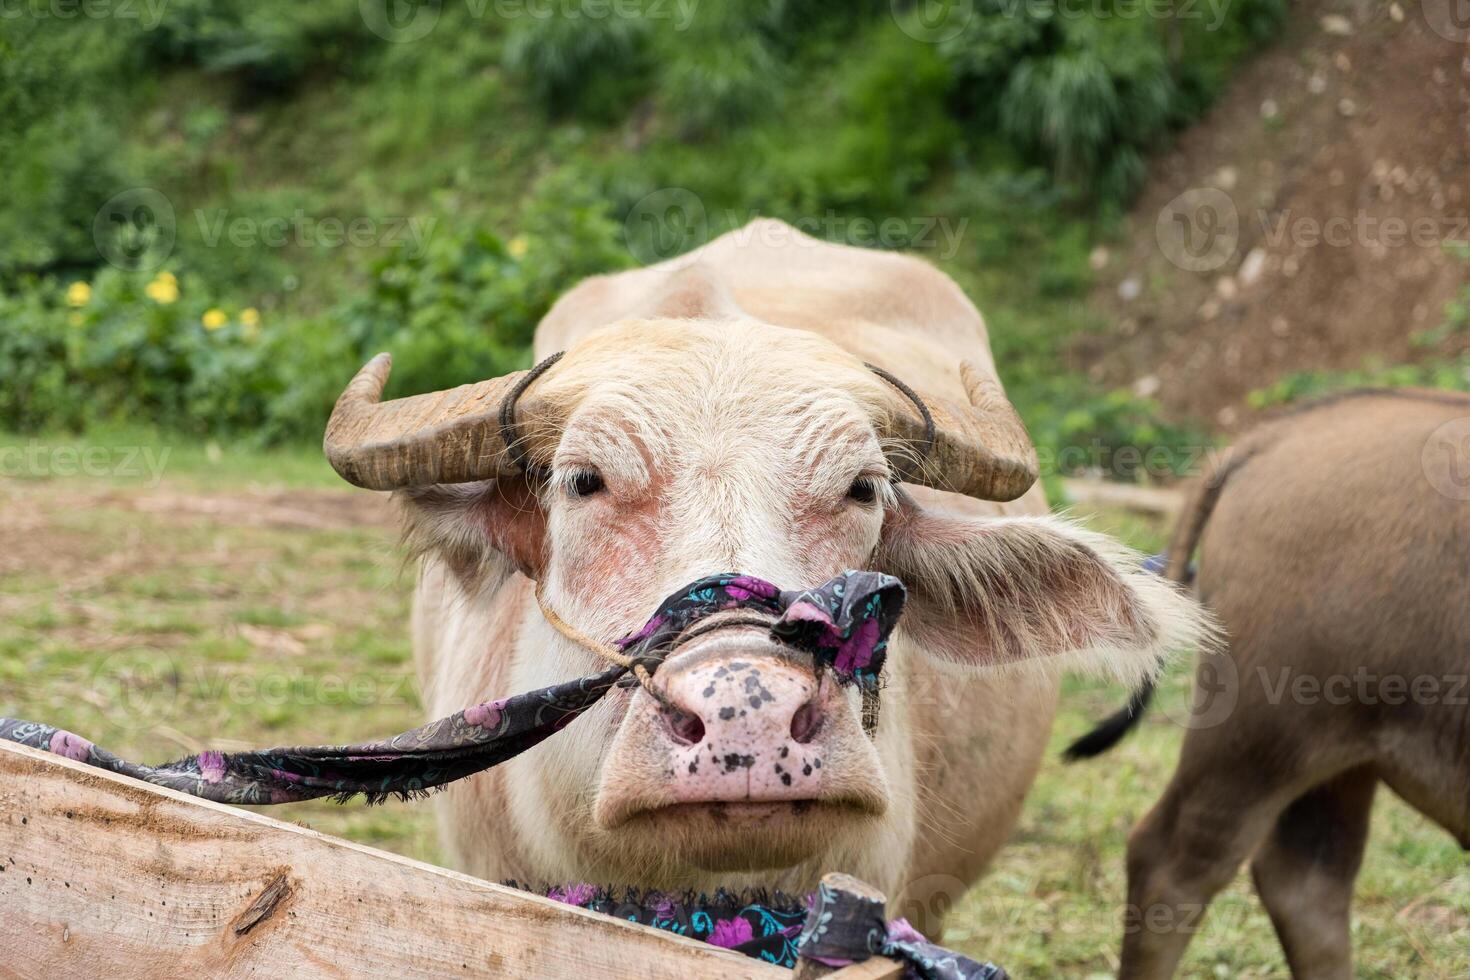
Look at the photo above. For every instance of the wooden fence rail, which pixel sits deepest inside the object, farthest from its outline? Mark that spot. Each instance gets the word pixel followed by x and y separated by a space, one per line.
pixel 105 876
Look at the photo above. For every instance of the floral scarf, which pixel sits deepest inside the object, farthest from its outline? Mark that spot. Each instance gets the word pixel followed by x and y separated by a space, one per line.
pixel 843 624
pixel 835 928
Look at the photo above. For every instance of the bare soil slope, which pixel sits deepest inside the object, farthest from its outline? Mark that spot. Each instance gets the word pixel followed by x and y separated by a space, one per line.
pixel 1341 156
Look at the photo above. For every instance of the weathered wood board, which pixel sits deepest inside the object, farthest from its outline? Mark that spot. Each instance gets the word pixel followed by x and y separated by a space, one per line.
pixel 105 876
pixel 1163 501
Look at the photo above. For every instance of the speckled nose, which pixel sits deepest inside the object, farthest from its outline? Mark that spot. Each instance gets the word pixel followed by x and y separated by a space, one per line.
pixel 745 729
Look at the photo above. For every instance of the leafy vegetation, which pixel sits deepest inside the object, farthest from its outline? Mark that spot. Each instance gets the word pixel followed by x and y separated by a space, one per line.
pixel 323 184
pixel 1452 375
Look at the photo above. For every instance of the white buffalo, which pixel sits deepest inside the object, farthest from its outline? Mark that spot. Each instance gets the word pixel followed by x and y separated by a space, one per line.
pixel 720 413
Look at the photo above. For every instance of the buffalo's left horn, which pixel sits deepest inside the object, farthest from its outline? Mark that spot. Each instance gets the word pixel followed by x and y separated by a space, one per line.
pixel 449 436
pixel 980 447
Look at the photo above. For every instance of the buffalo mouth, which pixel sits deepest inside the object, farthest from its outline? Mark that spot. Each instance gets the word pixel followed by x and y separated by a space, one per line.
pixel 739 836
pixel 740 813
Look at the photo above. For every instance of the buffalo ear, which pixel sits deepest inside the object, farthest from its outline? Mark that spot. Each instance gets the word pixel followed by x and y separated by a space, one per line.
pixel 470 526
pixel 1032 590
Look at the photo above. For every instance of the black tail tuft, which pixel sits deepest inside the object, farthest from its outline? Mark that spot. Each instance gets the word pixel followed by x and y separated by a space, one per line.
pixel 1110 731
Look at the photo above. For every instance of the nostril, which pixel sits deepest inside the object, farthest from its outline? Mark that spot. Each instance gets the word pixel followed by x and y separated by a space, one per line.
pixel 806 723
pixel 687 729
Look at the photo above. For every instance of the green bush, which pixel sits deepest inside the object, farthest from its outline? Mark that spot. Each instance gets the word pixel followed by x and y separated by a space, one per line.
pixel 1089 96
pixel 269 44
pixel 580 59
pixel 124 346
pixel 60 147
pixel 722 70
pixel 164 349
pixel 467 306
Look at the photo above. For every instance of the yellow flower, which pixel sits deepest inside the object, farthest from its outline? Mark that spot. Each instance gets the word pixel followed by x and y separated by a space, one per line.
pixel 516 247
pixel 78 294
pixel 250 316
pixel 76 319
pixel 163 290
pixel 214 319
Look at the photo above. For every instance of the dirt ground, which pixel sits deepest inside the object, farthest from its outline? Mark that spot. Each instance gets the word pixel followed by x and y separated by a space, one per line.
pixel 1343 154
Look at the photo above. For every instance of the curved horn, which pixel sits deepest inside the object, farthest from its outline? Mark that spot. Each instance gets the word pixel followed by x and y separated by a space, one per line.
pixel 979 449
pixel 452 436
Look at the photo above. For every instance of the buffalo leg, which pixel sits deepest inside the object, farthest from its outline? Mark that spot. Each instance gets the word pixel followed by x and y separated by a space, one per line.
pixel 1186 849
pixel 1304 873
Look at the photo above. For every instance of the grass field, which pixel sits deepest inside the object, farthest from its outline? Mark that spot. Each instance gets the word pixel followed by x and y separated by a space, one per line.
pixel 221 597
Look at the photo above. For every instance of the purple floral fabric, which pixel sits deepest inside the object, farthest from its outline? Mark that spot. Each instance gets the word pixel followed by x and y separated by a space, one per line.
pixel 842 929
pixel 835 928
pixel 760 925
pixel 844 624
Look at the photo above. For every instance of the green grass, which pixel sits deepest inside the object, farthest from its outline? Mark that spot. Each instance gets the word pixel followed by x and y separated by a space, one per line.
pixel 228 618
pixel 135 457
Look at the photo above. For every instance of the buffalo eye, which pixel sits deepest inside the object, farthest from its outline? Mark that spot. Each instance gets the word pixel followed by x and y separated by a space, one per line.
pixel 864 490
pixel 585 483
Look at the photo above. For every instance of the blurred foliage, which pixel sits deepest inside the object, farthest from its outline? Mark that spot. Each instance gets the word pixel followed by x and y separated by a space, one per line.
pixel 523 142
pixel 1452 375
pixel 576 61
pixel 59 144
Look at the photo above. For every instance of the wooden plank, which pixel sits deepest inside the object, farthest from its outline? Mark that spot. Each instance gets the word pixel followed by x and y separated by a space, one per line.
pixel 106 876
pixel 877 968
pixel 1164 501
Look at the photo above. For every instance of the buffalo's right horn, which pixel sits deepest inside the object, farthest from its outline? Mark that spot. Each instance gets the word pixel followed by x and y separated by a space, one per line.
pixel 452 436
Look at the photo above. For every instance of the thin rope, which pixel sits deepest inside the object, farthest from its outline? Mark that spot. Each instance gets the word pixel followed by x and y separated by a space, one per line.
pixel 607 652
pixel 913 396
pixel 508 434
pixel 639 669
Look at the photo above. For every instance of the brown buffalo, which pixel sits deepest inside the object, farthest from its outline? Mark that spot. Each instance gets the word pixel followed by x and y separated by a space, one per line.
pixel 1335 550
